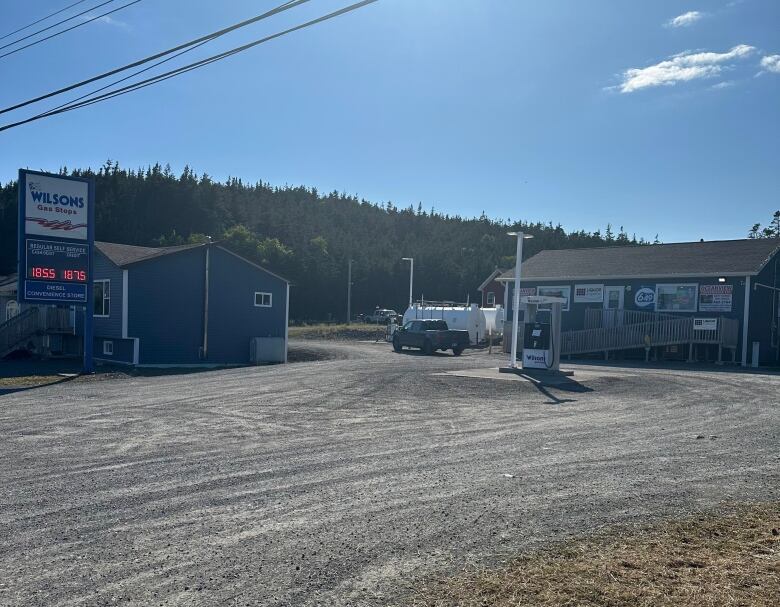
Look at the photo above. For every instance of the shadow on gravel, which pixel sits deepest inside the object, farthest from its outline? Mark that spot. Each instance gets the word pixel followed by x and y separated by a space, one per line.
pixel 558 382
pixel 32 382
pixel 421 353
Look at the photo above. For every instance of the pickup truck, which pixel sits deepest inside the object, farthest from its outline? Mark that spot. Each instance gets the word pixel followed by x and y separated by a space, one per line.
pixel 429 336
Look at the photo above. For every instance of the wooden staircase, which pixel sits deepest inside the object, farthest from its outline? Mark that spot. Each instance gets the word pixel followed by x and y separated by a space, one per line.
pixel 32 321
pixel 17 329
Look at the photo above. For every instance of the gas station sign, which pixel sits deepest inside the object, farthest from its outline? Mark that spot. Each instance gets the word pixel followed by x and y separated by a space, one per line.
pixel 56 236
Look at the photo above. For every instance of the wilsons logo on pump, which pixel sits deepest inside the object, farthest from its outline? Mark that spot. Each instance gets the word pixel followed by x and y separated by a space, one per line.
pixel 56 207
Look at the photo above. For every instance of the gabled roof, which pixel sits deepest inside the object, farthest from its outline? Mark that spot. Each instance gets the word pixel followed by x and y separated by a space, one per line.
pixel 489 279
pixel 124 254
pixel 691 259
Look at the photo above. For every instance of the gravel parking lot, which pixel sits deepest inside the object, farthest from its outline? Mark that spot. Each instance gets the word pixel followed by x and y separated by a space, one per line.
pixel 346 481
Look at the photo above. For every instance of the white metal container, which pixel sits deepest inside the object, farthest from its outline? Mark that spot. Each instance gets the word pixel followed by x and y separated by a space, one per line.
pixel 458 318
pixel 494 320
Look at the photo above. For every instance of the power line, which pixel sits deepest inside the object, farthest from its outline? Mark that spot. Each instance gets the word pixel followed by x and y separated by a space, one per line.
pixel 55 34
pixel 282 7
pixel 62 10
pixel 46 29
pixel 186 68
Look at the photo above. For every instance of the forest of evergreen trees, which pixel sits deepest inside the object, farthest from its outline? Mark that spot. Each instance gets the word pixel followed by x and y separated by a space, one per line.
pixel 308 236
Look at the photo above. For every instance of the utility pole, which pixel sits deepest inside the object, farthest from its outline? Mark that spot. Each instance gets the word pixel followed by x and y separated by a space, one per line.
pixel 349 292
pixel 411 277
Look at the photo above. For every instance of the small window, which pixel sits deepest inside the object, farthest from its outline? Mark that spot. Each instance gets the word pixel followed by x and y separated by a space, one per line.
pixel 108 348
pixel 102 294
pixel 491 299
pixel 262 300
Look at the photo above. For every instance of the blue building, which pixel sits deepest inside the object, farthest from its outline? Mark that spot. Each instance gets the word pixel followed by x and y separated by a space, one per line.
pixel 732 283
pixel 190 305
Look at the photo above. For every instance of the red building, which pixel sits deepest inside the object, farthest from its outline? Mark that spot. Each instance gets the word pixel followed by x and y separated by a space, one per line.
pixel 493 291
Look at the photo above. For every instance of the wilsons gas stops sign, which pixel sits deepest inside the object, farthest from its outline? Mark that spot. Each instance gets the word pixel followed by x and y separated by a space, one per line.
pixel 55 238
pixel 56 207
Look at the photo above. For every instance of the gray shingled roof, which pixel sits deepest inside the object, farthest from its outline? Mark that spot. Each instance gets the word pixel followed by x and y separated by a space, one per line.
pixel 125 254
pixel 713 258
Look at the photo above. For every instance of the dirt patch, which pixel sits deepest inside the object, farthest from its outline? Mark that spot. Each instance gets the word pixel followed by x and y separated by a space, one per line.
pixel 354 332
pixel 724 559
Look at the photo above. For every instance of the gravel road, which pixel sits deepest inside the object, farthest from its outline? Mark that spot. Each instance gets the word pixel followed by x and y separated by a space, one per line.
pixel 344 481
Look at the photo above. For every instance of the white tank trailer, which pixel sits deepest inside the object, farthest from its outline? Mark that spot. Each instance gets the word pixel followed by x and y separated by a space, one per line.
pixel 460 318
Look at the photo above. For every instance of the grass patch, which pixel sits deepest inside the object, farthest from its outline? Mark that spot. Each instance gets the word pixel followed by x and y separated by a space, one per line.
pixel 726 559
pixel 342 332
pixel 29 381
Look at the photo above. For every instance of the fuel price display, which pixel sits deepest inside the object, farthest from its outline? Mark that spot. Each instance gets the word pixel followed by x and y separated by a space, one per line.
pixel 57 261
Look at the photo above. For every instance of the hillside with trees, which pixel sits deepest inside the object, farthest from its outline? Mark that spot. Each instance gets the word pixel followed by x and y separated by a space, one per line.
pixel 308 236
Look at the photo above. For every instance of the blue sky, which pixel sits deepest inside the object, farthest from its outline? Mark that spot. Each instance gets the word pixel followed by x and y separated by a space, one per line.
pixel 661 116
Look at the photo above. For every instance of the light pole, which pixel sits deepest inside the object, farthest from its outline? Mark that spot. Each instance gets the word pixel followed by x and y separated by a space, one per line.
pixel 349 292
pixel 411 276
pixel 516 297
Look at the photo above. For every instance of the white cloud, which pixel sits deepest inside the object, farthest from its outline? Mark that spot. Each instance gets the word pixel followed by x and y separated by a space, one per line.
pixel 685 20
pixel 106 19
pixel 681 68
pixel 726 84
pixel 771 63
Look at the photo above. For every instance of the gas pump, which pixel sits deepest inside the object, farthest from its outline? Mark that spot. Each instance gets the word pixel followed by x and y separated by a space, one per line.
pixel 542 340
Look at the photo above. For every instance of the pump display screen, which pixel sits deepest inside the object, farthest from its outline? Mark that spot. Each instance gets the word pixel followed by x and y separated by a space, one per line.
pixel 56 270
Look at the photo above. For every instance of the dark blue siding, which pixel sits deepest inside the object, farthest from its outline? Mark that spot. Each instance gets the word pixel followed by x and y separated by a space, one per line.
pixel 105 269
pixel 166 307
pixel 764 310
pixel 233 316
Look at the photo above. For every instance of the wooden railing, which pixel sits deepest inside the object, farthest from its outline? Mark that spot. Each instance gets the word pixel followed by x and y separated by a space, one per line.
pixel 18 328
pixel 597 318
pixel 56 320
pixel 662 332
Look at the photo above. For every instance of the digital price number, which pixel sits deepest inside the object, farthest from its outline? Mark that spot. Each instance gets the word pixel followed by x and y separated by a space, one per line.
pixel 57 262
pixel 53 274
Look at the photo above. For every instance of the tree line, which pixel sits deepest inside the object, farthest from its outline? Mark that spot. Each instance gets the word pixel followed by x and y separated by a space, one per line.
pixel 308 236
pixel 770 231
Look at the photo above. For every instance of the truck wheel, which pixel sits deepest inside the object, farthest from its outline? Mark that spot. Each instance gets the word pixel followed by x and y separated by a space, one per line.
pixel 397 345
pixel 457 351
pixel 428 347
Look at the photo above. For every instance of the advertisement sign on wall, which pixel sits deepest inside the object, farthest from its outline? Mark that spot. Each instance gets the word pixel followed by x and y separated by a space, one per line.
pixel 676 297
pixel 524 292
pixel 645 297
pixel 716 298
pixel 562 291
pixel 588 293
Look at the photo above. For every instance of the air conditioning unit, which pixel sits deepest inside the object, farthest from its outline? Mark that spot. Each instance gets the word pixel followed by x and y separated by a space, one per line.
pixel 267 350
